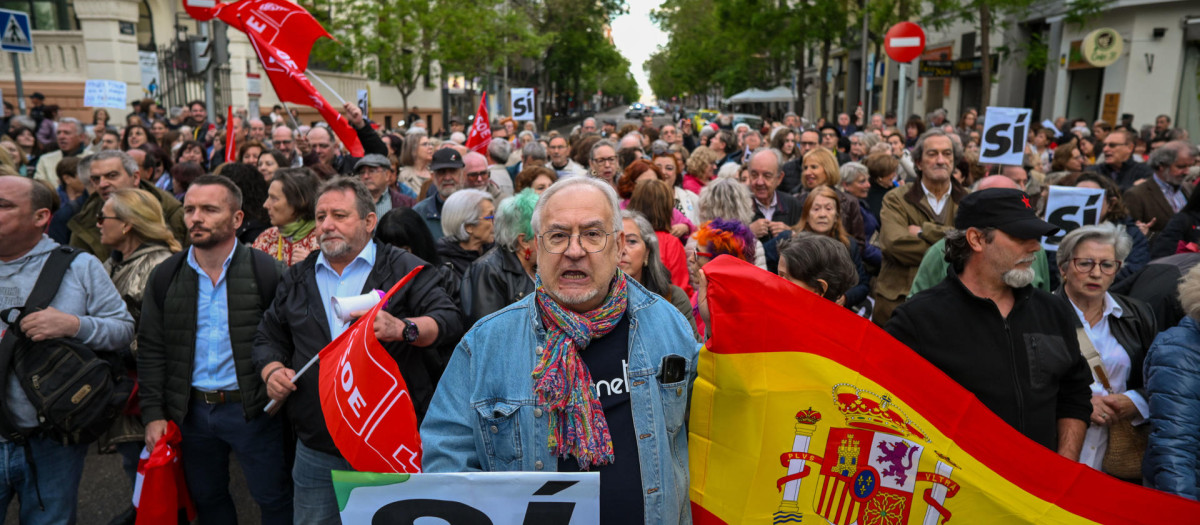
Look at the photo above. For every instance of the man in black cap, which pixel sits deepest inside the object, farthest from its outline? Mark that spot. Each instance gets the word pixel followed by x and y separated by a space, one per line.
pixel 37 109
pixel 1011 345
pixel 448 177
pixel 376 173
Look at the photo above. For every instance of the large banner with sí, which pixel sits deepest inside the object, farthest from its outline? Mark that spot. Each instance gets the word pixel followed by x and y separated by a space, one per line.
pixel 469 498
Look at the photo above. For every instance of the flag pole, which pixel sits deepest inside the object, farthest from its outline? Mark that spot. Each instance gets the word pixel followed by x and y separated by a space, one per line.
pixel 331 90
pixel 299 373
pixel 286 109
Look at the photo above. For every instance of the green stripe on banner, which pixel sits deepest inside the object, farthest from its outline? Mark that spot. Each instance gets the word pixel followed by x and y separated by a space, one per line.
pixel 345 481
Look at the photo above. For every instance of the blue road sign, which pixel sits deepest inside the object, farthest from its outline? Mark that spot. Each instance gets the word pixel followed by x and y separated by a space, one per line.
pixel 15 36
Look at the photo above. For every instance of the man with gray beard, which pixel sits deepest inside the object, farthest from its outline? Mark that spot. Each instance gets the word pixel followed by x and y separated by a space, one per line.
pixel 1011 345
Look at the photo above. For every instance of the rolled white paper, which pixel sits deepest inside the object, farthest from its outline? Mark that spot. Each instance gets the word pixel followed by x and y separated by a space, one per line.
pixel 344 306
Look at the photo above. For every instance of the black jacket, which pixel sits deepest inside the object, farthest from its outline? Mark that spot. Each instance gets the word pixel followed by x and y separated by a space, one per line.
pixel 458 257
pixel 1025 368
pixel 492 282
pixel 793 178
pixel 167 338
pixel 1128 173
pixel 1184 226
pixel 1134 331
pixel 371 143
pixel 1157 285
pixel 787 211
pixel 294 329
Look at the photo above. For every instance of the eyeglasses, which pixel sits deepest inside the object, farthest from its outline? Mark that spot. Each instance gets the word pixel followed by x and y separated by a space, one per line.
pixel 489 218
pixel 1113 144
pixel 829 134
pixel 1107 266
pixel 706 254
pixel 100 218
pixel 809 144
pixel 605 160
pixel 318 145
pixel 478 174
pixel 592 241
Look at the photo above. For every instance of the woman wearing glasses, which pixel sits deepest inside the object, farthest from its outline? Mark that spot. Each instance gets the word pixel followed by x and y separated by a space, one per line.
pixel 467 227
pixel 1114 333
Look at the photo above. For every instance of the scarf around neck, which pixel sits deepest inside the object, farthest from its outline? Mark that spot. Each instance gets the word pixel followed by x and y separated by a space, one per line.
pixel 561 379
pixel 297 229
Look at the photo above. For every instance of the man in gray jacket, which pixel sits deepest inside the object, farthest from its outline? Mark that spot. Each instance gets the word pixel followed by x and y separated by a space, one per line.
pixel 87 308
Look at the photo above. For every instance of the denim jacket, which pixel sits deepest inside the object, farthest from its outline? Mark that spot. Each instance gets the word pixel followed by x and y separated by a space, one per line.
pixel 485 416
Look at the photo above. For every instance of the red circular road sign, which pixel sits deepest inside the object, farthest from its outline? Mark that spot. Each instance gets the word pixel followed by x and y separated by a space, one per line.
pixel 904 42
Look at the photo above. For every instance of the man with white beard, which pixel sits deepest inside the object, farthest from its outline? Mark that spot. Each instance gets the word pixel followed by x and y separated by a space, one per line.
pixel 985 326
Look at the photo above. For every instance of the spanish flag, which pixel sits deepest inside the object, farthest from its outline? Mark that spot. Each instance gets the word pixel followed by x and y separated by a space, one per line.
pixel 803 412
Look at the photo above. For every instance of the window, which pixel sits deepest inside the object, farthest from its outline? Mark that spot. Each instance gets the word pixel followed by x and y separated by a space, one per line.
pixel 46 15
pixel 145 27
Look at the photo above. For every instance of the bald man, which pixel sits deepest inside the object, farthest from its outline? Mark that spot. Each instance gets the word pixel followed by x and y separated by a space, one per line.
pixel 325 144
pixel 479 177
pixel 934 266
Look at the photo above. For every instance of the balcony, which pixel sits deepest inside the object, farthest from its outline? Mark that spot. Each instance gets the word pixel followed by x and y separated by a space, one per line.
pixel 58 56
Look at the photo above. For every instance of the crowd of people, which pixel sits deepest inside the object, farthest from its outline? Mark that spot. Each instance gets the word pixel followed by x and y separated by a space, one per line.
pixel 212 281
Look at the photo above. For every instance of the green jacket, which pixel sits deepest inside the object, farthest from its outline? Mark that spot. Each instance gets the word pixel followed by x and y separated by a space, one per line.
pixel 85 235
pixel 167 338
pixel 933 269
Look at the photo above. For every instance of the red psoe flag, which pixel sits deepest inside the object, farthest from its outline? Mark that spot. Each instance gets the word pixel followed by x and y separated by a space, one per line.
pixel 282 34
pixel 366 403
pixel 480 134
pixel 230 143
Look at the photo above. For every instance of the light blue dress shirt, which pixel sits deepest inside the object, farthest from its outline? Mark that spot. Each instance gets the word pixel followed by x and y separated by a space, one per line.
pixel 212 366
pixel 348 284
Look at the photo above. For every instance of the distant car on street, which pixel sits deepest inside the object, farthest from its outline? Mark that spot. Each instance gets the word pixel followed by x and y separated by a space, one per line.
pixel 657 111
pixel 755 122
pixel 635 111
pixel 701 117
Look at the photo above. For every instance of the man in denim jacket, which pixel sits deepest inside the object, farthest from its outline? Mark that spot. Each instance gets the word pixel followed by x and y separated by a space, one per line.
pixel 592 372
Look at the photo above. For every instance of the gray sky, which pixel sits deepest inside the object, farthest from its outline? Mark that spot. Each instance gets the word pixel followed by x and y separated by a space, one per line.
pixel 637 37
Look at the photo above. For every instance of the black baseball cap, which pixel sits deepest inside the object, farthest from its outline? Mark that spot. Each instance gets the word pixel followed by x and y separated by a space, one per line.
pixel 1006 209
pixel 38 96
pixel 446 158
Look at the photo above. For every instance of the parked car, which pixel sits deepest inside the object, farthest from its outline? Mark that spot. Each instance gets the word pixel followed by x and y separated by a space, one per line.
pixel 701 117
pixel 755 122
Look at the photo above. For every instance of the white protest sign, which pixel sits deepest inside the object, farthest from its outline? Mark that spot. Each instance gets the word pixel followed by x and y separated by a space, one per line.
pixel 1049 124
pixel 522 104
pixel 104 94
pixel 364 101
pixel 1004 133
pixel 550 498
pixel 1069 208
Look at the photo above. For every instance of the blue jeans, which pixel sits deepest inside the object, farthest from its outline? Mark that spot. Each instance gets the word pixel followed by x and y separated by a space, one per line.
pixel 210 432
pixel 316 503
pixel 59 468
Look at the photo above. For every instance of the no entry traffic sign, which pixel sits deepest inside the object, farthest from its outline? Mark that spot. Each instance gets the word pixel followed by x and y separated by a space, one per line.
pixel 904 42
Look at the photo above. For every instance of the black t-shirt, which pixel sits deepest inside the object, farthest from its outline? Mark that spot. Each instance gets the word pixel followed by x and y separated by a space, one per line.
pixel 620 481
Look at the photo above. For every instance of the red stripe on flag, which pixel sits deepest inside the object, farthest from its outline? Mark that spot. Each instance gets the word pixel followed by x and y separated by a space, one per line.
pixel 859 345
pixel 230 142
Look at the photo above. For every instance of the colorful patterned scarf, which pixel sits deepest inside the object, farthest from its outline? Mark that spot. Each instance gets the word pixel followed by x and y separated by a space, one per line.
pixel 562 381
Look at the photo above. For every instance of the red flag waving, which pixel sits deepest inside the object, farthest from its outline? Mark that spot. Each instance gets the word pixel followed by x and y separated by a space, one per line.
pixel 366 403
pixel 230 142
pixel 291 85
pixel 480 134
pixel 282 34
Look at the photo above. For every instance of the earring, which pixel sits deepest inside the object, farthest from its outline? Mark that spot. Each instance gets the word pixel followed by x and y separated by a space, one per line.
pixel 528 254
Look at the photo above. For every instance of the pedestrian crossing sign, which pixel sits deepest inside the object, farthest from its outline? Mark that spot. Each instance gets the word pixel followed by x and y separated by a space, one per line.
pixel 15 36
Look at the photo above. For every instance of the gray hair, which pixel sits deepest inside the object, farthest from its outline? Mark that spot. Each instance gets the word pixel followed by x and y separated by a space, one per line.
pixel 958 250
pixel 726 199
pixel 533 151
pixel 810 256
pixel 84 169
pixel 415 131
pixel 1103 233
pixel 851 171
pixel 729 170
pixel 461 210
pixel 868 140
pixel 526 135
pixel 1189 293
pixel 175 111
pixel 1168 153
pixel 127 162
pixel 72 121
pixel 609 193
pixel 599 144
pixel 919 150
pixel 774 152
pixel 655 277
pixel 499 150
pixel 363 202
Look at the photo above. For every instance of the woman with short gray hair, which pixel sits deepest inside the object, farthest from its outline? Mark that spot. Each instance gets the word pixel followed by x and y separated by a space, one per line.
pixel 728 199
pixel 1114 333
pixel 504 274
pixel 467 227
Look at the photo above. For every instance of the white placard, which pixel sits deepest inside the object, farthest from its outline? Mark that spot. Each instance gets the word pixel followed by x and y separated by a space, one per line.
pixel 104 94
pixel 364 102
pixel 1049 124
pixel 1069 208
pixel 254 84
pixel 148 64
pixel 473 497
pixel 522 104
pixel 1004 133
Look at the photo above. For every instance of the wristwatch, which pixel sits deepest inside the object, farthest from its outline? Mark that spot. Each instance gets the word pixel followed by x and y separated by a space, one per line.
pixel 411 333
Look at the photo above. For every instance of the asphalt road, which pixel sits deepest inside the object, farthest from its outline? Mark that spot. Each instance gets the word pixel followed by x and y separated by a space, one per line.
pixel 106 492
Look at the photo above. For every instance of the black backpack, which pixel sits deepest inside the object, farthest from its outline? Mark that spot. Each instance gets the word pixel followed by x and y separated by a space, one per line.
pixel 77 392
